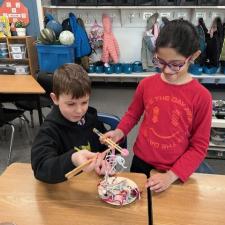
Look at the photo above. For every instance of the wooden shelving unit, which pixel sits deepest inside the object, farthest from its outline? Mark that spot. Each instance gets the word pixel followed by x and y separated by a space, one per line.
pixel 31 53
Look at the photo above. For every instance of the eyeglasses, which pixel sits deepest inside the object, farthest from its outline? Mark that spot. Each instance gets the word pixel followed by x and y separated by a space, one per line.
pixel 175 66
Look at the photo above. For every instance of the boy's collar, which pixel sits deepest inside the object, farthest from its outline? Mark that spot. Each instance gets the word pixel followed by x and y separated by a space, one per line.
pixel 81 122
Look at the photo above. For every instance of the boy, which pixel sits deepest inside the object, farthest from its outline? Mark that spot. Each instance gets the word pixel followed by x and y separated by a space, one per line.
pixel 67 127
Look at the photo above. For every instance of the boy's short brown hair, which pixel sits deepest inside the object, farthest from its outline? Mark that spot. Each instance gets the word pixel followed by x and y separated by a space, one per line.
pixel 71 79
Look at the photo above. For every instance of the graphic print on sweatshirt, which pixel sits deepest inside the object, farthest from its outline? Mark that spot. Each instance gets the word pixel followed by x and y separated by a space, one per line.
pixel 167 122
pixel 83 147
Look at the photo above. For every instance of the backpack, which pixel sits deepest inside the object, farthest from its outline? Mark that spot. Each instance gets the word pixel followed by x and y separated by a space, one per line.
pixel 96 36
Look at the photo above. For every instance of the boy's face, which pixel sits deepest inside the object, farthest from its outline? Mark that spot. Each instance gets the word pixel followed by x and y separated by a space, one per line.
pixel 73 109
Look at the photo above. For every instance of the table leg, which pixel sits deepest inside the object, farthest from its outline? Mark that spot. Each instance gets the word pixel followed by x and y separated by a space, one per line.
pixel 150 213
pixel 39 110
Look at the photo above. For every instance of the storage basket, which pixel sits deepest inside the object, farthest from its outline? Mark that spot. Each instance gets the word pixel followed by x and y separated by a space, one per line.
pixel 187 2
pixel 64 2
pixel 145 2
pixel 17 48
pixel 208 2
pixel 18 55
pixel 166 2
pixel 51 57
pixel 87 2
pixel 21 69
pixel 106 2
pixel 125 2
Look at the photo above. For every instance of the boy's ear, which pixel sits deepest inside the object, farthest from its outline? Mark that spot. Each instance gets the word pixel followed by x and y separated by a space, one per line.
pixel 54 98
pixel 195 55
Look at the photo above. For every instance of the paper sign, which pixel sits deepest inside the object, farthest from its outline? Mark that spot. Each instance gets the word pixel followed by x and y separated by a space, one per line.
pixel 14 10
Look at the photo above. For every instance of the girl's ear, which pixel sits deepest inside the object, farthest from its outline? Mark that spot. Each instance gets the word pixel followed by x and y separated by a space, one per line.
pixel 195 55
pixel 54 98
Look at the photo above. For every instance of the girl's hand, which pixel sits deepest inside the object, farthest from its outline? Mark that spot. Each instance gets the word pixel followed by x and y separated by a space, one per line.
pixel 114 135
pixel 161 181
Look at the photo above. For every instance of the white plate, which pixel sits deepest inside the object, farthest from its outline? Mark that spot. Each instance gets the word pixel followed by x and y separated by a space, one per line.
pixel 120 184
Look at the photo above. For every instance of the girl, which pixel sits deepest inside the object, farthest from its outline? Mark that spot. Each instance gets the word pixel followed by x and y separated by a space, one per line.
pixel 174 134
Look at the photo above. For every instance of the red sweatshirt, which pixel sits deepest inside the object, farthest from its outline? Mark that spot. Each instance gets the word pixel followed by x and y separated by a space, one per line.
pixel 175 130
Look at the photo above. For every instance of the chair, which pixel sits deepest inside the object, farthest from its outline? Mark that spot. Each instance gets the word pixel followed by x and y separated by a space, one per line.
pixel 6 116
pixel 45 80
pixel 112 121
pixel 205 168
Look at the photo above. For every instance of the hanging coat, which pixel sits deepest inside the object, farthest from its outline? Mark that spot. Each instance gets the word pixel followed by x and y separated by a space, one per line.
pixel 82 44
pixel 222 55
pixel 110 44
pixel 147 52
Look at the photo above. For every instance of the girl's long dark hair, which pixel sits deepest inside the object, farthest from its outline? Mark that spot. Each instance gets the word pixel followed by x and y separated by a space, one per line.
pixel 179 34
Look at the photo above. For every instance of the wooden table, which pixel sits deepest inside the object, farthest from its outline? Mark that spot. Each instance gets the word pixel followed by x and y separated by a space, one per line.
pixel 17 87
pixel 25 201
pixel 199 201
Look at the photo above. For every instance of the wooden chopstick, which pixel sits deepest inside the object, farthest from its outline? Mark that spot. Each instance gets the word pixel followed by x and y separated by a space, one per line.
pixel 109 141
pixel 78 169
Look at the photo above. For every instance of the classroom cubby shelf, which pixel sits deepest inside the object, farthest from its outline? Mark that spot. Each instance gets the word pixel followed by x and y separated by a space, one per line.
pixel 136 77
pixel 132 7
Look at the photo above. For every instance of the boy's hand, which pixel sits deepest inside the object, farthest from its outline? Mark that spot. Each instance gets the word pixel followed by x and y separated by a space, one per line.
pixel 161 181
pixel 101 168
pixel 83 156
pixel 114 135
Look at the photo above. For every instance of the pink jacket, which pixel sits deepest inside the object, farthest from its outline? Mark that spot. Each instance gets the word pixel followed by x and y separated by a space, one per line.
pixel 110 44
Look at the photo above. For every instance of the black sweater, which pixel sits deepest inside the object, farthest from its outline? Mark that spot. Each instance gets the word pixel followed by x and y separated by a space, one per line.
pixel 54 144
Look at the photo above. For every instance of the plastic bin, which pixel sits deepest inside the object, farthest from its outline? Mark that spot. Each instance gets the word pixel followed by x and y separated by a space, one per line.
pixel 3 45
pixel 51 57
pixel 195 69
pixel 4 55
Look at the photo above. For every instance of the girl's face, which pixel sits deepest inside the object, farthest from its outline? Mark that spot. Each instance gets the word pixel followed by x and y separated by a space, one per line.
pixel 174 66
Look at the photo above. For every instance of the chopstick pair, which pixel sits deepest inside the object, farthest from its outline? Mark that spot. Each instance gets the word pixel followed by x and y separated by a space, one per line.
pixel 78 169
pixel 112 144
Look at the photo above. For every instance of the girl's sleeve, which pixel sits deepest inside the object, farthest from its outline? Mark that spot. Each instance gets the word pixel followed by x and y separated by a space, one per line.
pixel 199 140
pixel 134 112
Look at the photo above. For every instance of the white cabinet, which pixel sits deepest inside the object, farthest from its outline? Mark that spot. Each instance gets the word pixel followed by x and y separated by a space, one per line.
pixel 217 141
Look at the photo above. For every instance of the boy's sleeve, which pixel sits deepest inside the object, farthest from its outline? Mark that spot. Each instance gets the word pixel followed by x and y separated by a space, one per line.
pixel 47 163
pixel 199 140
